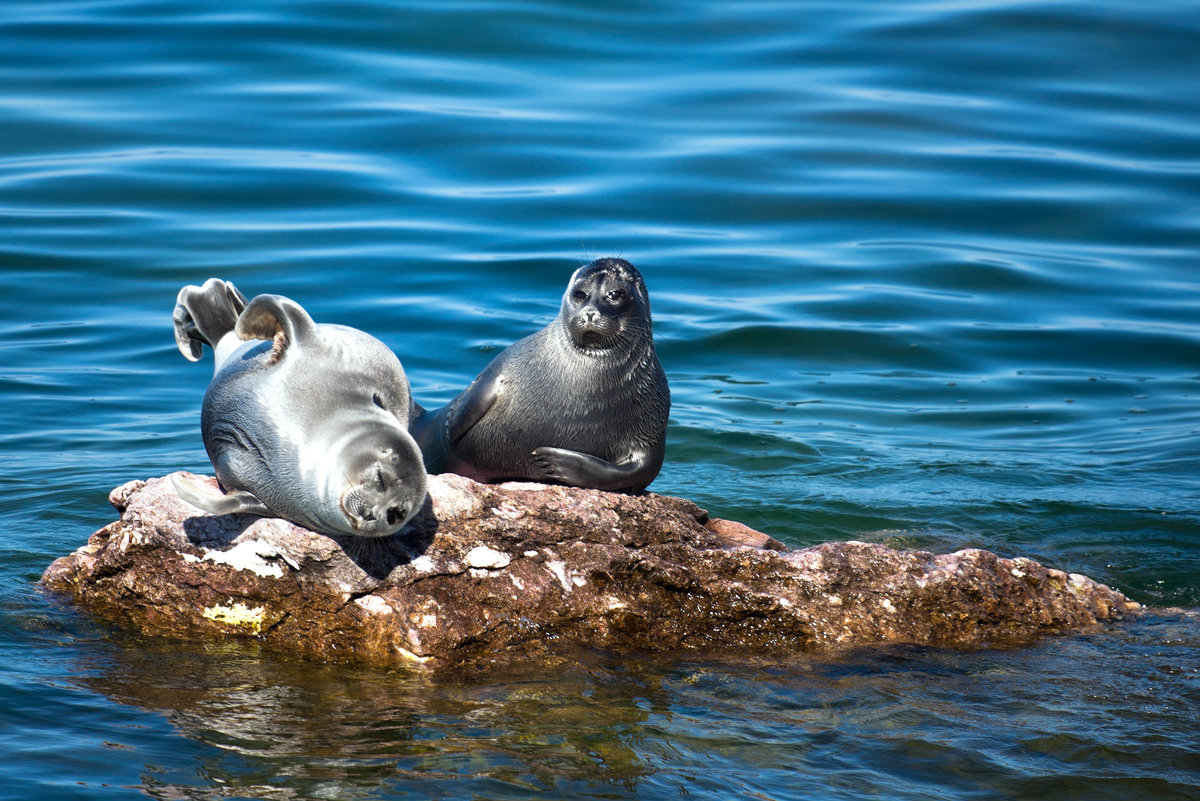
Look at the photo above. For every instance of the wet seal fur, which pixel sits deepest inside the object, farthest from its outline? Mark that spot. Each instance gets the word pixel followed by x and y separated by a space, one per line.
pixel 584 401
pixel 310 425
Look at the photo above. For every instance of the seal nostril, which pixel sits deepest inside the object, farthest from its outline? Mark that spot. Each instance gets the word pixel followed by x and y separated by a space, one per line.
pixel 394 516
pixel 377 400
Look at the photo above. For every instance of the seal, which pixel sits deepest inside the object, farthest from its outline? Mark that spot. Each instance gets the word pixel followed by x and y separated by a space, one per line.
pixel 584 401
pixel 310 425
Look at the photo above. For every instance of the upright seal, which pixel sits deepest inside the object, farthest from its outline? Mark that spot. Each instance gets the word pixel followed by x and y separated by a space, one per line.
pixel 584 401
pixel 310 425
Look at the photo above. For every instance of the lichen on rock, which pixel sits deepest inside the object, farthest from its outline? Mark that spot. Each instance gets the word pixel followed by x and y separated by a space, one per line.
pixel 518 571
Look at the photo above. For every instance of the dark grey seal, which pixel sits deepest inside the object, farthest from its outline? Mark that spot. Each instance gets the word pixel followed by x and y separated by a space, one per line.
pixel 310 425
pixel 584 401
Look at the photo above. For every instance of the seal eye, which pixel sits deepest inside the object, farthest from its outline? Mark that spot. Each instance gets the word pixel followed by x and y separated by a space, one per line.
pixel 579 294
pixel 617 295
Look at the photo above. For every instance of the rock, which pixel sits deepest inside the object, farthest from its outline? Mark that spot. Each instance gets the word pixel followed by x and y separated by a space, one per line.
pixel 525 571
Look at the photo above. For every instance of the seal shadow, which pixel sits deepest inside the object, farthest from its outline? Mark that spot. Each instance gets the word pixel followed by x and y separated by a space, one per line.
pixel 379 556
pixel 216 531
pixel 375 556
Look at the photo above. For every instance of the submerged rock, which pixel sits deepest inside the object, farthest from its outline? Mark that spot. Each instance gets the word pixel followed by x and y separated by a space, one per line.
pixel 526 571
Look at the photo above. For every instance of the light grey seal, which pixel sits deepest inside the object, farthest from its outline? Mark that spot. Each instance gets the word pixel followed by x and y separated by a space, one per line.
pixel 310 425
pixel 584 401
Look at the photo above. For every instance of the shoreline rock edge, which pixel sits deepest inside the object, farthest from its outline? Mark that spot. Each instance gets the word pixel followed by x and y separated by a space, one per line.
pixel 521 571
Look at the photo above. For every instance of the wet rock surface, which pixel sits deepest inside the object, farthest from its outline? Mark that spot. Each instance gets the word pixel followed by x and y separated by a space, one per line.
pixel 519 571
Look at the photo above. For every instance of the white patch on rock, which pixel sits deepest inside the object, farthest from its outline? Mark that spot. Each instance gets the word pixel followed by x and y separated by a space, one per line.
pixel 524 486
pixel 287 558
pixel 531 554
pixel 423 564
pixel 130 538
pixel 249 555
pixel 482 557
pixel 808 560
pixel 886 603
pixel 506 511
pixel 559 569
pixel 520 585
pixel 374 604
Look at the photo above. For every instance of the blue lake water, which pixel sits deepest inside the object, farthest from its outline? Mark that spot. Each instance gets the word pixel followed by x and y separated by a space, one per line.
pixel 922 273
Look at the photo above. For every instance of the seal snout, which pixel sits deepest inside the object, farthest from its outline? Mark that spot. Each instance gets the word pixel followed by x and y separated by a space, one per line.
pixel 371 511
pixel 396 515
pixel 594 330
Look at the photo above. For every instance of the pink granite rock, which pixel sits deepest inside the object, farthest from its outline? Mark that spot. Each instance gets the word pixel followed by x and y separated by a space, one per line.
pixel 527 571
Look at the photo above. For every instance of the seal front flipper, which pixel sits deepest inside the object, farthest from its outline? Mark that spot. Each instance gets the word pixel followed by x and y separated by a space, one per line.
pixel 215 502
pixel 584 470
pixel 472 404
pixel 438 431
pixel 204 314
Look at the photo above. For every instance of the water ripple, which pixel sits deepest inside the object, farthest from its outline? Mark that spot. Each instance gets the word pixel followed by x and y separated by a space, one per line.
pixel 922 273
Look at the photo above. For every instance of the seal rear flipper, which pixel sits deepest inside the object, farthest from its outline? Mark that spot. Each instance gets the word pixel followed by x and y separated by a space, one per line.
pixel 584 470
pixel 280 320
pixel 215 502
pixel 204 314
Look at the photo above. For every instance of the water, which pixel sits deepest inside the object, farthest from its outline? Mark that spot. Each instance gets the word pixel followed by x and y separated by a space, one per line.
pixel 922 273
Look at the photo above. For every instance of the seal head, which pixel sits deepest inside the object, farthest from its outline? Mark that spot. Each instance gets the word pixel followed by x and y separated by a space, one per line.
pixel 606 308
pixel 385 483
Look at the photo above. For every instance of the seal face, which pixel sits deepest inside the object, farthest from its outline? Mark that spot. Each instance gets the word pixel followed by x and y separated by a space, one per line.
pixel 310 425
pixel 584 401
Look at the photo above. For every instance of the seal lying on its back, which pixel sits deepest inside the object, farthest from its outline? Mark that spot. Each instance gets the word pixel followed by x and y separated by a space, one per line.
pixel 583 402
pixel 311 425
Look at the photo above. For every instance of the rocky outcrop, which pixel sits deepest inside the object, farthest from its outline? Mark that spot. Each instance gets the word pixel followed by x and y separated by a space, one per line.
pixel 528 571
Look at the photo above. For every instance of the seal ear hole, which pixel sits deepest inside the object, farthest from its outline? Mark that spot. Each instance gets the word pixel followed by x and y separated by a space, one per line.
pixel 394 515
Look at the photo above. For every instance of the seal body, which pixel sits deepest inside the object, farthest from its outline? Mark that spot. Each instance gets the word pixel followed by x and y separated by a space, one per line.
pixel 303 421
pixel 584 401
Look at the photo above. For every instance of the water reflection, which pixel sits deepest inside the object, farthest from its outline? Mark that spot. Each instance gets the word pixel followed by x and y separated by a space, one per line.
pixel 906 722
pixel 281 728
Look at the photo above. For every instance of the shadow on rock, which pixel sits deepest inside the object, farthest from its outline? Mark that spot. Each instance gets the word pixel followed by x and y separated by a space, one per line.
pixel 379 556
pixel 217 531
